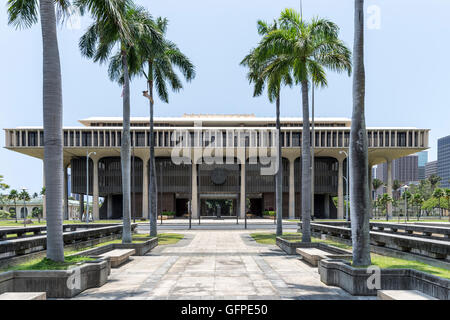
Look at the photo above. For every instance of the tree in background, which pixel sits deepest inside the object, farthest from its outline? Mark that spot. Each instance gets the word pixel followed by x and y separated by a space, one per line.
pixel 385 199
pixel 417 201
pixel 376 184
pixel 438 193
pixel 447 196
pixel 309 48
pixel 24 196
pixel 272 72
pixel 158 58
pixel 120 28
pixel 434 181
pixel 14 196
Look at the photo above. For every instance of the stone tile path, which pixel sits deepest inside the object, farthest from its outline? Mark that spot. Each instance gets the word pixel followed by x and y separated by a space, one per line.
pixel 215 265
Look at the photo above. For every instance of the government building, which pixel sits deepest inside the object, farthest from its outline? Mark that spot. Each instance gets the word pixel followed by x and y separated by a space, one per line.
pixel 232 156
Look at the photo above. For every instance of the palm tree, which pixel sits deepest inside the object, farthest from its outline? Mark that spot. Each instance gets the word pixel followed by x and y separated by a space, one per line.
pixel 310 48
pixel 157 59
pixel 14 196
pixel 434 181
pixel 376 184
pixel 271 72
pixel 24 14
pixel 438 194
pixel 417 200
pixel 24 196
pixel 385 200
pixel 447 196
pixel 359 157
pixel 120 29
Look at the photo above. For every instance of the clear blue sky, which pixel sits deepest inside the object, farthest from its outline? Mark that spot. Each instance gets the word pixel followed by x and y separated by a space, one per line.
pixel 407 67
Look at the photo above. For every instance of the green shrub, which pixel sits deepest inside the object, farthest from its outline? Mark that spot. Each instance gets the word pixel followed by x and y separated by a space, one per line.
pixel 168 213
pixel 4 214
pixel 269 213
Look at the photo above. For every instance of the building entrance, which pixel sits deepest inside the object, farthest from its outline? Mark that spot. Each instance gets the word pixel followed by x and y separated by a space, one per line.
pixel 218 207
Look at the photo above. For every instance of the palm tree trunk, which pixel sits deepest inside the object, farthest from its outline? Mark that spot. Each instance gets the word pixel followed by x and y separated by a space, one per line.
pixel 279 175
pixel 306 167
pixel 52 116
pixel 126 154
pixel 152 180
pixel 359 187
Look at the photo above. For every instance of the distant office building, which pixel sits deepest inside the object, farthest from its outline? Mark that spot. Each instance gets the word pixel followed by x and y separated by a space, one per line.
pixel 443 161
pixel 423 159
pixel 431 168
pixel 405 170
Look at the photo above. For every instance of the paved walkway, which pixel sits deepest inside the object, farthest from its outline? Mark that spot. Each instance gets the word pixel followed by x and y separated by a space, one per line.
pixel 215 265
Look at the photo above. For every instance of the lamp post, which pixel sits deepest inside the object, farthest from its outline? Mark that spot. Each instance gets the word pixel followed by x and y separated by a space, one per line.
pixel 24 190
pixel 87 184
pixel 406 202
pixel 346 186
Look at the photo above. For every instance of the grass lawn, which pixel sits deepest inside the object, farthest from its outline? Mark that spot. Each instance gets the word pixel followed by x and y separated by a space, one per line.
pixel 383 262
pixel 46 264
pixel 163 238
pixel 73 251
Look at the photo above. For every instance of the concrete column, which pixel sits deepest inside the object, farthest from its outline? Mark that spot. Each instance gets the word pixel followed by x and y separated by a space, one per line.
pixel 340 213
pixel 327 206
pixel 194 196
pixel 95 209
pixel 81 205
pixel 109 205
pixel 389 184
pixel 291 189
pixel 145 188
pixel 66 194
pixel 242 202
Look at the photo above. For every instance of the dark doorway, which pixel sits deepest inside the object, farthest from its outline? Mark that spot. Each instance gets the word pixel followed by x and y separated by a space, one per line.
pixel 319 208
pixel 256 207
pixel 217 207
pixel 181 207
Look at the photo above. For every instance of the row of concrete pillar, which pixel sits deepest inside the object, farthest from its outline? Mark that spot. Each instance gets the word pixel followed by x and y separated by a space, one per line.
pixel 194 202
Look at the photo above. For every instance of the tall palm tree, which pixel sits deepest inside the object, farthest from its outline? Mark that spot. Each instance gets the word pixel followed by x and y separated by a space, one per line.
pixel 376 184
pixel 310 48
pixel 14 196
pixel 359 157
pixel 120 30
pixel 434 181
pixel 438 194
pixel 24 196
pixel 272 72
pixel 157 61
pixel 24 14
pixel 447 196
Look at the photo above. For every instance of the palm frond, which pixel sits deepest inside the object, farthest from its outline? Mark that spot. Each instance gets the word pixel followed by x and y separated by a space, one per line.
pixel 22 13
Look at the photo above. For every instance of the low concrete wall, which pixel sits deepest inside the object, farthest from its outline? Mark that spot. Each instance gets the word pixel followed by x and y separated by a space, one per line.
pixel 436 249
pixel 354 280
pixel 141 248
pixel 22 246
pixel 57 283
pixel 290 247
pixel 5 263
